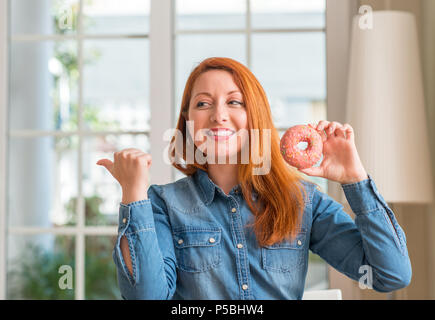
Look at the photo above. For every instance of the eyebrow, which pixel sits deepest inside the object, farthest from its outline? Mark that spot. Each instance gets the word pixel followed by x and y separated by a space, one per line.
pixel 208 94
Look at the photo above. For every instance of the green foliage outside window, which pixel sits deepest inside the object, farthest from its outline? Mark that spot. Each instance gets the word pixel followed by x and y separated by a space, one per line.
pixel 35 273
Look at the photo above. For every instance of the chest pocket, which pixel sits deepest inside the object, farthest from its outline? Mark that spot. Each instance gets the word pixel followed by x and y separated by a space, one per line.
pixel 285 256
pixel 197 249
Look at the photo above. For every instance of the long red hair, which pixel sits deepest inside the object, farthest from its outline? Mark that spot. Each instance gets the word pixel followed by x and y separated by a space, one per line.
pixel 281 196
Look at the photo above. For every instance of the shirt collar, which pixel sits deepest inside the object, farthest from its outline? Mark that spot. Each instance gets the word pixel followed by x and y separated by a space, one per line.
pixel 209 188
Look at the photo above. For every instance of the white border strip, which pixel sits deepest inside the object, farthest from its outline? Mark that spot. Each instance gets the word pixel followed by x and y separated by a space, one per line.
pixel 3 141
pixel 161 86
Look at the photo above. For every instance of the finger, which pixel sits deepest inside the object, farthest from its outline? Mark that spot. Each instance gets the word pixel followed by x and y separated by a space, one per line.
pixel 330 130
pixel 108 164
pixel 123 154
pixel 131 152
pixel 322 125
pixel 340 132
pixel 349 132
pixel 128 150
pixel 320 132
pixel 323 135
pixel 148 158
pixel 139 157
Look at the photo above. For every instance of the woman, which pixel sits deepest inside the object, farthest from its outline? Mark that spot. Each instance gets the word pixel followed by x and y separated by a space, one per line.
pixel 224 232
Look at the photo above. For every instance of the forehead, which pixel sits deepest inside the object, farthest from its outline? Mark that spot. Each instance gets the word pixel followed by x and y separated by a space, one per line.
pixel 214 80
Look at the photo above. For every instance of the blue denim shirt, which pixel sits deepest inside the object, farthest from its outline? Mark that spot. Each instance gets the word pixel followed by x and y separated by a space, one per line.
pixel 188 240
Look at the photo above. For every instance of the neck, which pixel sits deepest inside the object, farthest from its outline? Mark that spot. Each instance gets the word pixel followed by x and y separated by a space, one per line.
pixel 224 175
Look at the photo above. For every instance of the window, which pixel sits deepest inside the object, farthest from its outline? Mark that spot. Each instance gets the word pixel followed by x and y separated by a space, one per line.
pixel 85 79
pixel 79 84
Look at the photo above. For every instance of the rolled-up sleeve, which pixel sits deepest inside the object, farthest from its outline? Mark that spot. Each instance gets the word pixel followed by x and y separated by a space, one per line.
pixel 373 243
pixel 146 226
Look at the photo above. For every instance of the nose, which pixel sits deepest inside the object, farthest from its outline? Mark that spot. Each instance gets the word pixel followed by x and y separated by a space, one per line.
pixel 220 113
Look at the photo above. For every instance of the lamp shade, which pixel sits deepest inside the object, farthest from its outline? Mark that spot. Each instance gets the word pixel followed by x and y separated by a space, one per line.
pixel 385 106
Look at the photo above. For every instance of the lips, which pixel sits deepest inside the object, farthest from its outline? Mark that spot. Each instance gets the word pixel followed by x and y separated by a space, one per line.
pixel 219 134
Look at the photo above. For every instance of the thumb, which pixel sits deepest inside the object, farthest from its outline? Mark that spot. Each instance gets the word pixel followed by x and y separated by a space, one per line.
pixel 313 171
pixel 106 163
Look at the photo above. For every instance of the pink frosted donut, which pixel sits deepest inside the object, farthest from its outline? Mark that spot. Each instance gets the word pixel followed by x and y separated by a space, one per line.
pixel 296 157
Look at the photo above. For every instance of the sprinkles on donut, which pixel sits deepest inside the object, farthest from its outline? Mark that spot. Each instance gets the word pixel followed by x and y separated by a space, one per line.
pixel 297 157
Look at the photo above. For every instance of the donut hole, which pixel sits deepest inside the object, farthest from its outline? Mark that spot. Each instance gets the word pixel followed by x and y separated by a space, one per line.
pixel 302 145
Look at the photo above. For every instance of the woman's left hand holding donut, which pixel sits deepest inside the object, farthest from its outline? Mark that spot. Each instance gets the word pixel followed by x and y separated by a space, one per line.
pixel 341 162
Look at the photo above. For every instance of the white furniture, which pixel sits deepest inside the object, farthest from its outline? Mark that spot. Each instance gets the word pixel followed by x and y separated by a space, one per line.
pixel 330 294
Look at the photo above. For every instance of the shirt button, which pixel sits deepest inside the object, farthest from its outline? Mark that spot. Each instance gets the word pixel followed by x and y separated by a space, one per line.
pixel 299 242
pixel 180 241
pixel 239 245
pixel 233 210
pixel 245 287
pixel 124 220
pixel 212 240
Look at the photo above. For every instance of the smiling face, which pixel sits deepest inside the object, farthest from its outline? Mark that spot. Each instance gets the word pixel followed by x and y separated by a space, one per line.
pixel 219 115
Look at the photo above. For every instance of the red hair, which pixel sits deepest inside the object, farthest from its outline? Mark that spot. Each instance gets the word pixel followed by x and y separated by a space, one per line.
pixel 280 202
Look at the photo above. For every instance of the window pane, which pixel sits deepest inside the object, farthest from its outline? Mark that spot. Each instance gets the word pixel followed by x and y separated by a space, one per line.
pixel 291 64
pixel 43 171
pixel 296 112
pixel 34 263
pixel 43 85
pixel 192 49
pixel 288 14
pixel 210 14
pixel 43 16
pixel 116 17
pixel 116 85
pixel 101 191
pixel 291 68
pixel 101 279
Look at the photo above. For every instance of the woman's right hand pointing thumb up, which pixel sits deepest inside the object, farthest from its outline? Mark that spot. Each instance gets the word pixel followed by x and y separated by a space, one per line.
pixel 131 169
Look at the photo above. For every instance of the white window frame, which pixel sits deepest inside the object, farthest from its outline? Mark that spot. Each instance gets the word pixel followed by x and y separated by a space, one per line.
pixel 80 231
pixel 162 106
pixel 3 140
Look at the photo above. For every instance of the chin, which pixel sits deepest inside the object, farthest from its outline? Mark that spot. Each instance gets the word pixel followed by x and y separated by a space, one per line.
pixel 224 156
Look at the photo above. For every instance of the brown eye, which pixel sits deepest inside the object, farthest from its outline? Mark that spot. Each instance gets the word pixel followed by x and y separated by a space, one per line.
pixel 200 104
pixel 237 102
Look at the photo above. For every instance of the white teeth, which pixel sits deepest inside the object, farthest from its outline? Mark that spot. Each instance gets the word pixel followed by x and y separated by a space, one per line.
pixel 220 133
